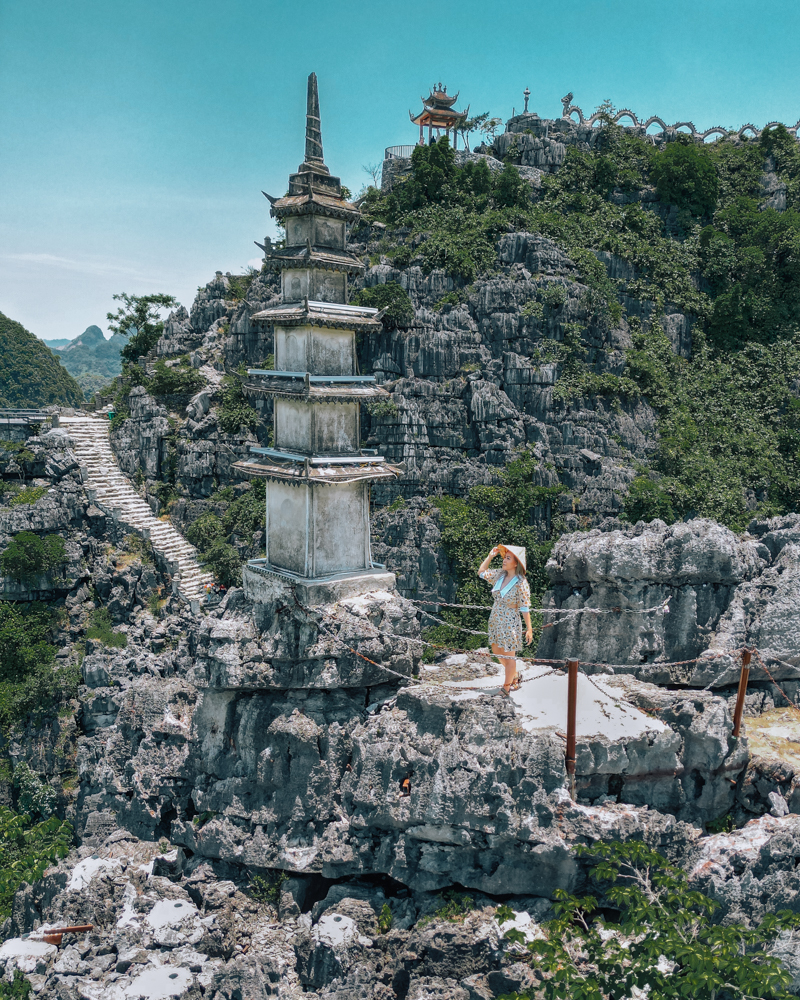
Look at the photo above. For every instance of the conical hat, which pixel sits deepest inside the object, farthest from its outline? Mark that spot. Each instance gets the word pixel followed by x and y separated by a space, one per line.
pixel 517 551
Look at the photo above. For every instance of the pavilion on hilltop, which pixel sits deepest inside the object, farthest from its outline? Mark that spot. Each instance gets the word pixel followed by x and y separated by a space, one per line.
pixel 438 113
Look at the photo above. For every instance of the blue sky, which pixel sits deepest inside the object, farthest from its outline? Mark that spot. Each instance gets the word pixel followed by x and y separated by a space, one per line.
pixel 135 137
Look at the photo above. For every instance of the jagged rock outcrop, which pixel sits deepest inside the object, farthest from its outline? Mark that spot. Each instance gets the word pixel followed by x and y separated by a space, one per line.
pixel 695 566
pixel 474 383
pixel 724 593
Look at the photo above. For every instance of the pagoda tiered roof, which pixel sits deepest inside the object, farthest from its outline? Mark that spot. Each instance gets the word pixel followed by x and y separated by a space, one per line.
pixel 437 109
pixel 334 315
pixel 313 202
pixel 315 388
pixel 321 258
pixel 299 470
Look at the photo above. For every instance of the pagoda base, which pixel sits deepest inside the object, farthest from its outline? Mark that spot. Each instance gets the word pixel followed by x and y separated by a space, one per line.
pixel 264 584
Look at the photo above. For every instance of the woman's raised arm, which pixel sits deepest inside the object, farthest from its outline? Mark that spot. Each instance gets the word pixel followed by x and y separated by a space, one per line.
pixel 485 564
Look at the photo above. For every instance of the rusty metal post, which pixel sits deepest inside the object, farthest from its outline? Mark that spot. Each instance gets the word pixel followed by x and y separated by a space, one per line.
pixel 572 701
pixel 743 678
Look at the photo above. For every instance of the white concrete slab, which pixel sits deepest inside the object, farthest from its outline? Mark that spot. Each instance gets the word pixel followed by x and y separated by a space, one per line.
pixel 542 704
pixel 159 984
pixel 85 871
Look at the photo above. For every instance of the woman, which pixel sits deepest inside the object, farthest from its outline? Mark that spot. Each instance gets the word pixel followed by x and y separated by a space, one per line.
pixel 512 598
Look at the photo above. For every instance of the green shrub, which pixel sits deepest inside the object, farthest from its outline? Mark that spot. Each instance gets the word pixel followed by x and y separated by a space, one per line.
pixel 267 888
pixel 29 681
pixel 392 297
pixel 205 531
pixel 18 989
pixel 685 176
pixel 102 630
pixel 650 934
pixel 447 301
pixel 34 796
pixel 28 496
pixel 455 908
pixel 180 380
pixel 234 411
pixel 385 919
pixel 28 556
pixel 729 426
pixel 27 849
pixel 224 562
pixel 25 639
pixel 646 501
pixel 239 284
pixel 510 190
pixel 382 408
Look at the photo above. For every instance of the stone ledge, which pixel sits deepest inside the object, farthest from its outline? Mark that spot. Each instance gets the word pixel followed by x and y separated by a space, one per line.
pixel 264 585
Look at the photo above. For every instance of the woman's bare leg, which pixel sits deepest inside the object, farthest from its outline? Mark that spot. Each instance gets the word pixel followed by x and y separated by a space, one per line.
pixel 509 663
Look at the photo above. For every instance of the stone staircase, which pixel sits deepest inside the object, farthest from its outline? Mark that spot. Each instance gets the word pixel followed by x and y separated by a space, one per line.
pixel 113 492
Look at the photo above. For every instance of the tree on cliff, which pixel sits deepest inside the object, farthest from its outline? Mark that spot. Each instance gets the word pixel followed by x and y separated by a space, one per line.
pixel 139 319
pixel 650 935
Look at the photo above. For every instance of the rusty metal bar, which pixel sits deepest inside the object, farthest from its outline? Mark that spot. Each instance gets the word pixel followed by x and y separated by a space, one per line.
pixel 743 678
pixel 572 701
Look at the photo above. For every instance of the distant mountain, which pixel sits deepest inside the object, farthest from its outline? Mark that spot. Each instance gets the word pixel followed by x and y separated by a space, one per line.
pixel 91 359
pixel 55 344
pixel 30 373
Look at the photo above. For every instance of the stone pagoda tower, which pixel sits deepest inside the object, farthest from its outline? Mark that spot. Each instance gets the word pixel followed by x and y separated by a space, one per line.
pixel 317 476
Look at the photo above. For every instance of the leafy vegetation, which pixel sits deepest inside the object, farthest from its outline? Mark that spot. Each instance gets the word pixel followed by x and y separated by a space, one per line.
pixel 213 536
pixel 101 629
pixel 29 680
pixel 234 411
pixel 390 296
pixel 27 556
pixel 239 284
pixel 18 989
pixel 30 375
pixel 729 439
pixel 650 933
pixel 139 319
pixel 385 919
pixel 28 496
pixel 455 908
pixel 174 380
pixel 27 849
pixel 267 888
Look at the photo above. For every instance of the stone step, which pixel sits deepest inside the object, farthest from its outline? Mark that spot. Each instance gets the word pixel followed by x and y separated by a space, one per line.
pixel 114 490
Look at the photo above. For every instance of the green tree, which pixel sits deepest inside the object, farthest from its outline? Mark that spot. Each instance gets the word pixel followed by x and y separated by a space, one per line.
pixel 686 177
pixel 392 297
pixel 651 932
pixel 25 639
pixel 29 681
pixel 510 190
pixel 224 562
pixel 234 410
pixel 27 556
pixel 27 849
pixel 139 319
pixel 180 379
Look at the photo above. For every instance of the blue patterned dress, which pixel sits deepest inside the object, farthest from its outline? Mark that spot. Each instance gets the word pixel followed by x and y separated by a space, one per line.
pixel 511 598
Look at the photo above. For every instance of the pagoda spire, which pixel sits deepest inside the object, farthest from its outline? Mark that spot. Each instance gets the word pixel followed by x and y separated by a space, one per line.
pixel 313 133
